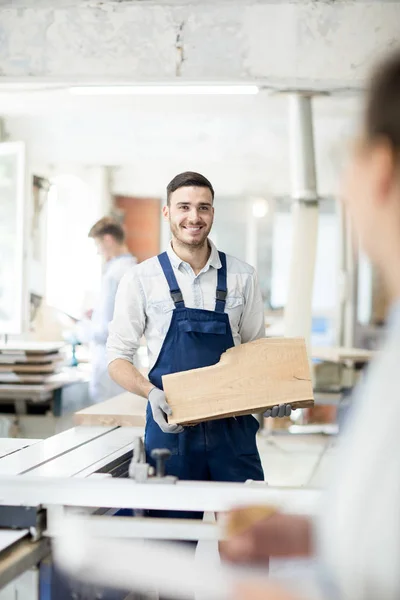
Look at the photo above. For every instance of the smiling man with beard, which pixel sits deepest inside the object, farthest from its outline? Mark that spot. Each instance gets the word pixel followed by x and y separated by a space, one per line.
pixel 191 303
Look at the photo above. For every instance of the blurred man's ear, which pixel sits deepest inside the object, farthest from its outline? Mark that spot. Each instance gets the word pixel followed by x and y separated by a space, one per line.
pixel 384 170
pixel 165 212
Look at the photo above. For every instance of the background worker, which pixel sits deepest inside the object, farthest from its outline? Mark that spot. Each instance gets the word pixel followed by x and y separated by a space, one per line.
pixel 109 238
pixel 191 303
pixel 358 534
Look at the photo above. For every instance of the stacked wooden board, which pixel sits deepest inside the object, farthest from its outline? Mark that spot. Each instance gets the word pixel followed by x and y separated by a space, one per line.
pixel 30 362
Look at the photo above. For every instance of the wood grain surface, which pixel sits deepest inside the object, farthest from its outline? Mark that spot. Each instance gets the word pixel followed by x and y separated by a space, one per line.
pixel 248 378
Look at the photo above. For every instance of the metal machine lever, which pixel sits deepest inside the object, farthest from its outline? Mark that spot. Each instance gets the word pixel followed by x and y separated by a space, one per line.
pixel 139 470
pixel 160 455
pixel 142 472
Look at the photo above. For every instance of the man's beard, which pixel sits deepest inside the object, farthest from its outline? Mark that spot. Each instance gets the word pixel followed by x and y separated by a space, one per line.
pixel 195 243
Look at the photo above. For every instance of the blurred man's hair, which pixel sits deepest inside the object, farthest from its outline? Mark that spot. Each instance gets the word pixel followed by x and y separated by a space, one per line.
pixel 188 179
pixel 107 226
pixel 383 105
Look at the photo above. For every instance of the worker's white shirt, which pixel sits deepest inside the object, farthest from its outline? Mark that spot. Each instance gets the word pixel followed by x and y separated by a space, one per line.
pixel 102 386
pixel 360 524
pixel 143 305
pixel 103 311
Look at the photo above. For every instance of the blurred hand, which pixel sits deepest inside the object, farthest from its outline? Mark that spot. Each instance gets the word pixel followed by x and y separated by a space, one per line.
pixel 279 411
pixel 258 591
pixel 160 409
pixel 88 314
pixel 279 535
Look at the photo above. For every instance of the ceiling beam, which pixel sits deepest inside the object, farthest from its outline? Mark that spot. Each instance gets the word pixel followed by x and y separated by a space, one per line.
pixel 305 45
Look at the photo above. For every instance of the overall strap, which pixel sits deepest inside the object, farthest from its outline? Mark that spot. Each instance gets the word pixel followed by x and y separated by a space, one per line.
pixel 221 285
pixel 174 289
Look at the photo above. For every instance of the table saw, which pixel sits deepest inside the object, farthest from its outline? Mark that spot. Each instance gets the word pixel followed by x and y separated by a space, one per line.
pixel 86 469
pixel 76 453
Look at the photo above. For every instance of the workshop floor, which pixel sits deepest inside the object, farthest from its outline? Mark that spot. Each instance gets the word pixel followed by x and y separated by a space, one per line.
pixel 290 460
pixel 296 460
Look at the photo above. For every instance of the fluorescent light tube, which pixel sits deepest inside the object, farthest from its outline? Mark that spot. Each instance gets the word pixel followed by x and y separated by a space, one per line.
pixel 164 90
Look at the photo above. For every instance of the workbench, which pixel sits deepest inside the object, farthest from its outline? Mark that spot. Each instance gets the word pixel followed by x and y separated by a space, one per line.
pixel 43 409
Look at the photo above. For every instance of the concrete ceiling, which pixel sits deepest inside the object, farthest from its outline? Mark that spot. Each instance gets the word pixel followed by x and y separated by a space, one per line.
pixel 318 45
pixel 103 3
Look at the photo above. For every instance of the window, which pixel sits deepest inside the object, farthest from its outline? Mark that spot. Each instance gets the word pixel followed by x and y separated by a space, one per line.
pixel 73 269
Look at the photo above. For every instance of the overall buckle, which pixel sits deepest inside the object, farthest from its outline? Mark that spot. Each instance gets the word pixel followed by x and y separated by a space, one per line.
pixel 177 296
pixel 221 295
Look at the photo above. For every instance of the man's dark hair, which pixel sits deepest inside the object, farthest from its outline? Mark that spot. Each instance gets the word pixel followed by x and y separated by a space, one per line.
pixel 188 179
pixel 107 226
pixel 383 106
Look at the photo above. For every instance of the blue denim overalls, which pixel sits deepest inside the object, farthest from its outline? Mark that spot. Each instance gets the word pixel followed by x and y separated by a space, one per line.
pixel 219 450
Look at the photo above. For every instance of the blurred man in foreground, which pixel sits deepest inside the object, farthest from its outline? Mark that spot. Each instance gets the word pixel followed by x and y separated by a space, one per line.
pixel 358 535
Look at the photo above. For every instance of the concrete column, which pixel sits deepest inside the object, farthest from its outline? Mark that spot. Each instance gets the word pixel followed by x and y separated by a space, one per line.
pixel 99 180
pixel 348 275
pixel 251 235
pixel 298 310
pixel 351 269
pixel 2 130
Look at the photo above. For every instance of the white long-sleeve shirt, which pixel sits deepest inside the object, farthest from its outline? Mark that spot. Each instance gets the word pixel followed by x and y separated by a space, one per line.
pixel 103 311
pixel 359 529
pixel 143 304
pixel 101 385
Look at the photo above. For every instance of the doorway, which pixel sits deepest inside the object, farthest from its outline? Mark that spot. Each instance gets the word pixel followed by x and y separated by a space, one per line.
pixel 142 225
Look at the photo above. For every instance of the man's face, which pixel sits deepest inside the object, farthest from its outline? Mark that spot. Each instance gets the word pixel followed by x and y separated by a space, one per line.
pixel 356 193
pixel 190 215
pixel 366 194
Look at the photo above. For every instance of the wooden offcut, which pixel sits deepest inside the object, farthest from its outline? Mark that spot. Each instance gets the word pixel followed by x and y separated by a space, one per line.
pixel 124 410
pixel 240 520
pixel 342 354
pixel 248 378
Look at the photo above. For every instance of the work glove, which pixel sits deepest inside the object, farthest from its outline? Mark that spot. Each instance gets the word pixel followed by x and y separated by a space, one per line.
pixel 280 410
pixel 160 409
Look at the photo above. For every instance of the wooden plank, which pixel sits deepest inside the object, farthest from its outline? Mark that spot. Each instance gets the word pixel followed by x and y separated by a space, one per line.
pixel 342 354
pixel 28 358
pixel 40 391
pixel 30 347
pixel 124 410
pixel 249 378
pixel 23 378
pixel 22 556
pixel 8 537
pixel 51 381
pixel 27 368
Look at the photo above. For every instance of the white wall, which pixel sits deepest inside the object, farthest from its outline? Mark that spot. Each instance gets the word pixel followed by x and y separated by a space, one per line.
pixel 240 144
